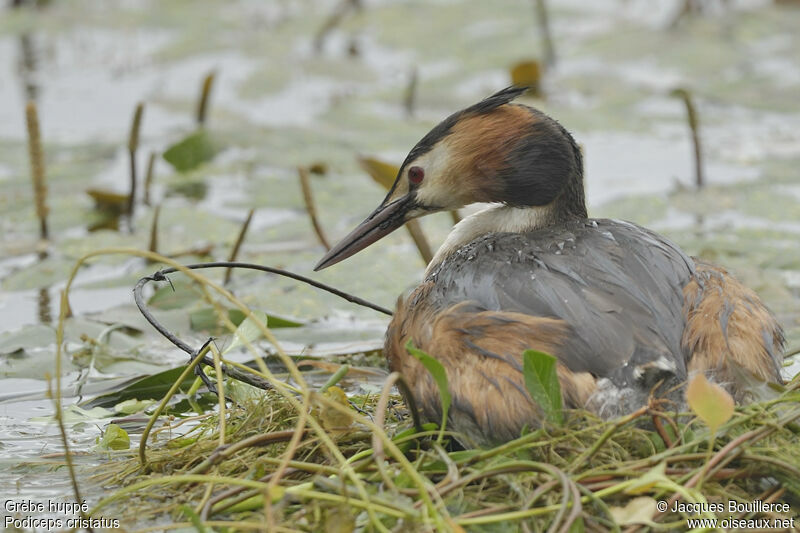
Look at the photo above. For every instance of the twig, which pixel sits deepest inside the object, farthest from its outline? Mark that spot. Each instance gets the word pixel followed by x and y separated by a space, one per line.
pixel 380 414
pixel 205 94
pixel 411 92
pixel 691 116
pixel 229 370
pixel 148 178
pixel 229 450
pixel 298 433
pixel 161 275
pixel 220 394
pixel 59 410
pixel 662 432
pixel 333 21
pixel 230 494
pixel 588 454
pixel 153 246
pixel 308 198
pixel 44 306
pixel 415 230
pixel 685 9
pixel 197 357
pixel 547 38
pixel 37 167
pixel 731 449
pixel 133 145
pixel 238 244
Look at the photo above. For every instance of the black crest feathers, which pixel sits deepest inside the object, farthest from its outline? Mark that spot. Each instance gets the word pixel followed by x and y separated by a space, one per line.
pixel 494 101
pixel 443 128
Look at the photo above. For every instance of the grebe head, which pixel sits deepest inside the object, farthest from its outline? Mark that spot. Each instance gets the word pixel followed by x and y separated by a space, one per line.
pixel 493 151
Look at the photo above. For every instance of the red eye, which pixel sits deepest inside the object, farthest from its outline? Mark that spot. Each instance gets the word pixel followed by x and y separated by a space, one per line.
pixel 416 175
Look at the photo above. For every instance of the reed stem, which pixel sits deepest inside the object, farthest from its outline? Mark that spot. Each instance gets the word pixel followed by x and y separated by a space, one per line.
pixel 37 168
pixel 133 146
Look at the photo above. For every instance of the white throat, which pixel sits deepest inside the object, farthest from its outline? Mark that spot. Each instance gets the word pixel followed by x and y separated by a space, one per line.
pixel 495 218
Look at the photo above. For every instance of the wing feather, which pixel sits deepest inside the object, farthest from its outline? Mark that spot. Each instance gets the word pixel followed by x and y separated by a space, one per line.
pixel 617 285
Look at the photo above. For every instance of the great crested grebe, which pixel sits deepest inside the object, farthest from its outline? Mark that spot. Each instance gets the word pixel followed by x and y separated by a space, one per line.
pixel 620 307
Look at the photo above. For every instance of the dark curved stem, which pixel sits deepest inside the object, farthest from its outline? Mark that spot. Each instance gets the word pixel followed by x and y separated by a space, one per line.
pixel 232 372
pixel 280 272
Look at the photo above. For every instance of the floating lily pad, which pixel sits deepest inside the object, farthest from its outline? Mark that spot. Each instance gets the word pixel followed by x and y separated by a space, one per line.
pixel 192 151
pixel 176 295
pixel 149 388
pixel 34 336
pixel 108 200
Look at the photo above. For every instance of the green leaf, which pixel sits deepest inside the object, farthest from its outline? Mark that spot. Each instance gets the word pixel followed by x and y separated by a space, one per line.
pixel 637 511
pixel 709 401
pixel 439 376
pixel 196 521
pixel 191 152
pixel 541 380
pixel 332 418
pixel 131 406
pixel 206 320
pixel 114 438
pixel 577 526
pixel 282 322
pixel 247 332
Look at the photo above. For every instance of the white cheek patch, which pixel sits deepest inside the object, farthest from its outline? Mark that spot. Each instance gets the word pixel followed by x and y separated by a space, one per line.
pixel 436 188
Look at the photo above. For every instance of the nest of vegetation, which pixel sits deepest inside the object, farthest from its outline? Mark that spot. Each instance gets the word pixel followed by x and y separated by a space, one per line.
pixel 297 458
pixel 318 461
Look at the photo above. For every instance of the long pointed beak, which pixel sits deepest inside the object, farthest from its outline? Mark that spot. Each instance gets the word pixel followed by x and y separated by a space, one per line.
pixel 384 220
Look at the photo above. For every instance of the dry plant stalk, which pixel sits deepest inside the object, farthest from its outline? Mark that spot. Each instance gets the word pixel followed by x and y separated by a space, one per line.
pixel 547 36
pixel 37 167
pixel 415 229
pixel 133 145
pixel 308 198
pixel 238 244
pixel 153 246
pixel 694 128
pixel 409 102
pixel 205 95
pixel 148 178
pixel 334 20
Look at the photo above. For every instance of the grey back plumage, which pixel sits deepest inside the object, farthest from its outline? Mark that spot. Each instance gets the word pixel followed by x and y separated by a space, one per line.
pixel 617 285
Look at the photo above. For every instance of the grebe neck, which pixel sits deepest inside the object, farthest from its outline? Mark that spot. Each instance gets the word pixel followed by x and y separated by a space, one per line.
pixel 498 218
